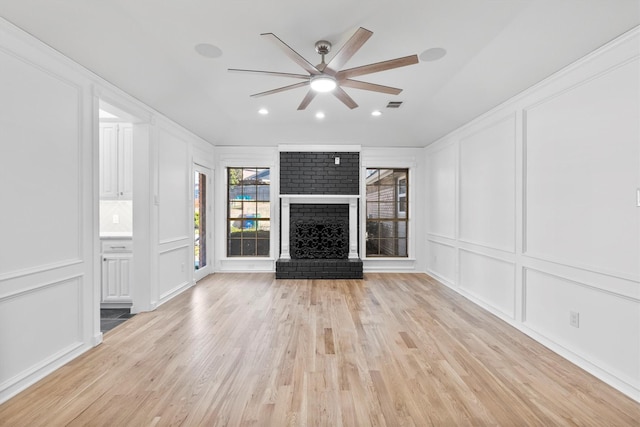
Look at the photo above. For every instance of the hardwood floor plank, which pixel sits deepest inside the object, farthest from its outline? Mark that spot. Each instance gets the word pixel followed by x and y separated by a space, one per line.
pixel 249 350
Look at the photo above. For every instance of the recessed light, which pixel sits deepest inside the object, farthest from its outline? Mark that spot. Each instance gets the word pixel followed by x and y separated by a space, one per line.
pixel 319 115
pixel 208 50
pixel 376 113
pixel 433 54
pixel 263 111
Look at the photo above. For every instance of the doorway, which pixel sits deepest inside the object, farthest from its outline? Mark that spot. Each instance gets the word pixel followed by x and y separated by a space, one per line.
pixel 201 209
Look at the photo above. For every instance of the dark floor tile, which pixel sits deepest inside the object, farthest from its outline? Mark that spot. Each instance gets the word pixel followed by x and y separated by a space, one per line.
pixel 108 324
pixel 113 313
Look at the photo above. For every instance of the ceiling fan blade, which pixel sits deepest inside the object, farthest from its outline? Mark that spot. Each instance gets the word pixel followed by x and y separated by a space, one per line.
pixel 280 89
pixel 270 73
pixel 356 84
pixel 346 99
pixel 307 99
pixel 348 50
pixel 292 54
pixel 377 67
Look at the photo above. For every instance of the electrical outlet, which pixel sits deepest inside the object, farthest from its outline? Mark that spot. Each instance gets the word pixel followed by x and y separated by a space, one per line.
pixel 116 219
pixel 574 319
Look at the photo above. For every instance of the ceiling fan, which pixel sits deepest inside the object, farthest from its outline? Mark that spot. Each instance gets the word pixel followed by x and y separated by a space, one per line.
pixel 331 77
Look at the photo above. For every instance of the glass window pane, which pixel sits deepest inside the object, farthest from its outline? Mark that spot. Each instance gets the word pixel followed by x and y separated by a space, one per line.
pixel 249 192
pixel 234 176
pixel 373 229
pixel 262 193
pixel 263 176
pixel 372 210
pixel 402 247
pixel 235 192
pixel 248 247
pixel 263 247
pixel 387 229
pixel 387 210
pixel 234 247
pixel 388 247
pixel 263 209
pixel 263 226
pixel 371 176
pixel 401 229
pixel 235 230
pixel 248 176
pixel 249 210
pixel 235 210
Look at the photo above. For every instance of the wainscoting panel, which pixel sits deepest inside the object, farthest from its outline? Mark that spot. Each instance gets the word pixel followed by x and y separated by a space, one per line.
pixel 173 188
pixel 441 182
pixel 582 173
pixel 175 265
pixel 51 312
pixel 487 186
pixel 491 280
pixel 608 325
pixel 40 173
pixel 443 261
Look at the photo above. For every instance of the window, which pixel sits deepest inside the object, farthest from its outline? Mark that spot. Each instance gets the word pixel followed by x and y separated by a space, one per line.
pixel 248 212
pixel 387 212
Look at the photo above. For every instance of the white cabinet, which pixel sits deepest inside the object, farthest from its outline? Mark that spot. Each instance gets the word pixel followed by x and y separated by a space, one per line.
pixel 117 271
pixel 116 161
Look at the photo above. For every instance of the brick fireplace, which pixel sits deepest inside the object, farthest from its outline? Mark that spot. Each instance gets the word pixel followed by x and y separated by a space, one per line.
pixel 319 216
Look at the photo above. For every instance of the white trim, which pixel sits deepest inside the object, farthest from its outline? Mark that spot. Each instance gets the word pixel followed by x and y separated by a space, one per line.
pixel 320 148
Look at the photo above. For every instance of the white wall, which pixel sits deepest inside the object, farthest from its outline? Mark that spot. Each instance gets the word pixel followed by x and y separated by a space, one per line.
pixel 49 225
pixel 46 227
pixel 176 153
pixel 531 212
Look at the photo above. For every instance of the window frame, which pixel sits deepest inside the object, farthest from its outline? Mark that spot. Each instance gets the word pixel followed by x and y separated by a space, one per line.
pixel 398 216
pixel 230 219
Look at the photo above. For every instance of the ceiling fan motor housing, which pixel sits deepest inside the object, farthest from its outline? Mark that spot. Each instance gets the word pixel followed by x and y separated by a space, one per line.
pixel 323 47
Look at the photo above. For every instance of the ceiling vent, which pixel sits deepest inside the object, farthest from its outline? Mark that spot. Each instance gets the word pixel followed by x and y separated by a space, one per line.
pixel 394 104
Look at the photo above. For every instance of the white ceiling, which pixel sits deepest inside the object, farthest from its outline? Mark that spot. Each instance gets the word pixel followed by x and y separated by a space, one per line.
pixel 496 49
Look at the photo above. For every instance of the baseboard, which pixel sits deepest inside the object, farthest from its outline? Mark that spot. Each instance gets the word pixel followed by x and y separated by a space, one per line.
pixel 27 378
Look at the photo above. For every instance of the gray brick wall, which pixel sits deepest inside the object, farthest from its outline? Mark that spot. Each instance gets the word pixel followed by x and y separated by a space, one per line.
pixel 317 173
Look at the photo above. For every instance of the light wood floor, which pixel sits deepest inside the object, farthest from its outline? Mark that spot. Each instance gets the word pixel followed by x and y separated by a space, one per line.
pixel 246 349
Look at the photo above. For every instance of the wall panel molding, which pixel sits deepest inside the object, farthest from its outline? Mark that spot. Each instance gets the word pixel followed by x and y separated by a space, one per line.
pixel 28 110
pixel 39 269
pixel 489 194
pixel 573 182
pixel 39 287
pixel 500 296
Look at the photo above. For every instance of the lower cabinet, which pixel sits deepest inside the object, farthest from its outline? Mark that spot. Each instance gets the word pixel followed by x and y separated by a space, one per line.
pixel 117 273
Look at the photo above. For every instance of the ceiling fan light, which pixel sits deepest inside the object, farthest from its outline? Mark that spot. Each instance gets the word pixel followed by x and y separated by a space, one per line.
pixel 323 83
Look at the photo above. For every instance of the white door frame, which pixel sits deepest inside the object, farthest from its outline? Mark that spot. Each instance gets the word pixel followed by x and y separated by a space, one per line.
pixel 207 269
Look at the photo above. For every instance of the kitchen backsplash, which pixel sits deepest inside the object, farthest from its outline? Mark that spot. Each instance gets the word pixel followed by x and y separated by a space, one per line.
pixel 116 216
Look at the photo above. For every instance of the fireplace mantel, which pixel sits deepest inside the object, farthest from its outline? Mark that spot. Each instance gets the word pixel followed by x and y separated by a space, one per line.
pixel 321 199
